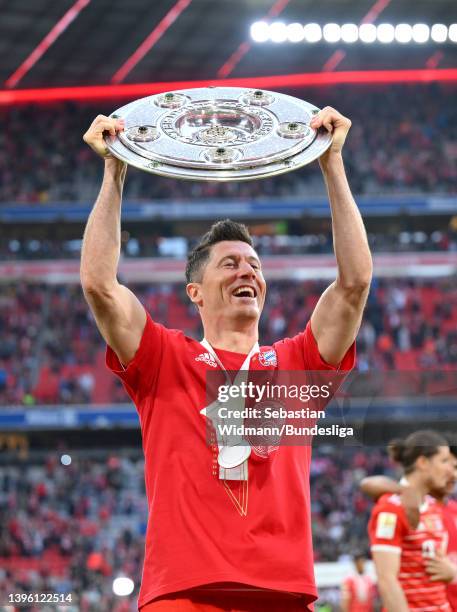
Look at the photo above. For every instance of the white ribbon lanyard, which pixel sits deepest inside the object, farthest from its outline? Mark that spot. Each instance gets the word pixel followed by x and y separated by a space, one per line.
pixel 236 454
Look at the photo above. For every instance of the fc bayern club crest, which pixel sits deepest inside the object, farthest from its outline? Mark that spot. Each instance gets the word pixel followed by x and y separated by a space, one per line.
pixel 268 358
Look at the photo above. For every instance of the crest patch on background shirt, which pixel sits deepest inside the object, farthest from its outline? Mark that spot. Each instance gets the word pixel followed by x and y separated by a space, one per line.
pixel 385 525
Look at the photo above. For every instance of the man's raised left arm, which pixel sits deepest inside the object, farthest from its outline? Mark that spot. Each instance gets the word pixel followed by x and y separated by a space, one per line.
pixel 338 314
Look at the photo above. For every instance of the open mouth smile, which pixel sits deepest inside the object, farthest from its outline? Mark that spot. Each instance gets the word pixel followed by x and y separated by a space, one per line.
pixel 245 291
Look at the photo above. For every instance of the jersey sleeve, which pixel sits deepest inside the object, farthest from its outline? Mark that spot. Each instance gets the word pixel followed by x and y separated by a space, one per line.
pixel 304 353
pixel 387 527
pixel 140 375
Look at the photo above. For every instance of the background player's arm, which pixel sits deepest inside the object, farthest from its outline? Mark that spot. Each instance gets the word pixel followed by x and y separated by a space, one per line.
pixel 119 315
pixel 338 314
pixel 375 486
pixel 387 567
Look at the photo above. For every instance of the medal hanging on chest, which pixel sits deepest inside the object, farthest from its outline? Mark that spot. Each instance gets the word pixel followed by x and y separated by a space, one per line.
pixel 231 464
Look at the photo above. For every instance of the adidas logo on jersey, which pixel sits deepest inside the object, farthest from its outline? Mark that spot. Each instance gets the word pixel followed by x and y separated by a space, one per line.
pixel 207 358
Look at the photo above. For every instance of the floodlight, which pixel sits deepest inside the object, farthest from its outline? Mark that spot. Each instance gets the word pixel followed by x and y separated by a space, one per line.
pixel 367 33
pixel 278 32
pixel 439 33
pixel 403 33
pixel 421 33
pixel 331 32
pixel 385 33
pixel 260 31
pixel 313 32
pixel 349 33
pixel 295 32
pixel 452 33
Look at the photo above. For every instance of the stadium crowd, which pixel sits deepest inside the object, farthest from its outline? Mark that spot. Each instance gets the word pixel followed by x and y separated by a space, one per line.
pixel 410 148
pixel 73 529
pixel 136 243
pixel 51 351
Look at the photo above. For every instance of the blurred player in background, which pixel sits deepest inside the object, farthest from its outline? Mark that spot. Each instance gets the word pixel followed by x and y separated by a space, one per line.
pixel 400 552
pixel 207 547
pixel 358 591
pixel 439 568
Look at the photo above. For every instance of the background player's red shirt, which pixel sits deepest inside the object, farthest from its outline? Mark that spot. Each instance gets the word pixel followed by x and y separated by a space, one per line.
pixel 389 530
pixel 360 593
pixel 195 534
pixel 450 522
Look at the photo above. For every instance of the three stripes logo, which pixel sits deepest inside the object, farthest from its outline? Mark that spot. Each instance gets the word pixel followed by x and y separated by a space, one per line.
pixel 207 358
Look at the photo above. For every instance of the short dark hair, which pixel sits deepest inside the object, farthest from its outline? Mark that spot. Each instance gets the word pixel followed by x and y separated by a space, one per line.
pixel 452 441
pixel 424 443
pixel 218 232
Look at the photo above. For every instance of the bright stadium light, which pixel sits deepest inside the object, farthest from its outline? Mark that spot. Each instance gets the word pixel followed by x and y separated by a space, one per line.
pixel 123 586
pixel 260 31
pixel 438 33
pixel 385 33
pixel 295 32
pixel 367 33
pixel 421 33
pixel 453 32
pixel 278 32
pixel 349 33
pixel 313 32
pixel 331 32
pixel 403 33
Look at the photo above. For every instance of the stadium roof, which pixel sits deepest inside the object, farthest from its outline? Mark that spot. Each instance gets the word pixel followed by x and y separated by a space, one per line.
pixel 54 43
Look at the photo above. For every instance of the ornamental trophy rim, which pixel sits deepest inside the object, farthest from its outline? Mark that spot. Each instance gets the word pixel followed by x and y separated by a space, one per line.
pixel 218 134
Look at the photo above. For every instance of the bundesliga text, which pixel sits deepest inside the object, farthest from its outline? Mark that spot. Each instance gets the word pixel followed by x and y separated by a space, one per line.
pixel 286 429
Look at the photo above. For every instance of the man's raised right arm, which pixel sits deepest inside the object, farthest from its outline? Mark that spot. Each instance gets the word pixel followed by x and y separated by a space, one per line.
pixel 119 315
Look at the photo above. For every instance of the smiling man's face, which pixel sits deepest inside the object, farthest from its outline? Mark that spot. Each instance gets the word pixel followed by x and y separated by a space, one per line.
pixel 232 284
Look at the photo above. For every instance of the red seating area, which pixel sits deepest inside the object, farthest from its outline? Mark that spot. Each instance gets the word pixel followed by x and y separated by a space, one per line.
pixel 49 563
pixel 52 352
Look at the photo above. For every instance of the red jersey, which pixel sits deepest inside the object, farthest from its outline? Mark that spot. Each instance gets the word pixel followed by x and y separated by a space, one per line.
pixel 389 530
pixel 450 522
pixel 360 592
pixel 199 531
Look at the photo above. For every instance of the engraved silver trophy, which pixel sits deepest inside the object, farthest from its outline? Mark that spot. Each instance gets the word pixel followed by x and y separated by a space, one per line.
pixel 218 134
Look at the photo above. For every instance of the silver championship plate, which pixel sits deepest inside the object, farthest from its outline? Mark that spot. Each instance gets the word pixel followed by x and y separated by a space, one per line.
pixel 218 134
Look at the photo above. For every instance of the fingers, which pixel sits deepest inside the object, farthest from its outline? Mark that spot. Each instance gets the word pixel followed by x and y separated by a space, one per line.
pixel 329 118
pixel 99 127
pixel 336 124
pixel 433 567
pixel 436 578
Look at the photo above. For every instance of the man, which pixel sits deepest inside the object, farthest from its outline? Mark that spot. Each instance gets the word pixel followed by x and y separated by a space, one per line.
pixel 440 567
pixel 400 552
pixel 221 534
pixel 358 591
